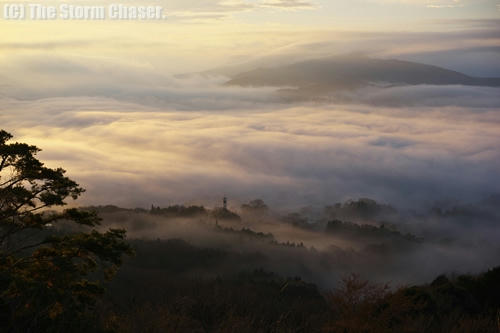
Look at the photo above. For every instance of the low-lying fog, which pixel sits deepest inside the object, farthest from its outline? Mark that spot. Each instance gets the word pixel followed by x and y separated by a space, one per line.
pixel 383 244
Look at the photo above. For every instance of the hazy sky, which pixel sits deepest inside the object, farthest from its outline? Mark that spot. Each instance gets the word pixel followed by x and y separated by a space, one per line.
pixel 200 34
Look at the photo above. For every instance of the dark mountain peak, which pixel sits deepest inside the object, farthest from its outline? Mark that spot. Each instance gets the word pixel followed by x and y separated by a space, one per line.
pixel 350 71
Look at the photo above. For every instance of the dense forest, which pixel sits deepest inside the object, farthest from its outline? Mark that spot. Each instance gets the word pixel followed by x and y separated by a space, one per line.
pixel 150 294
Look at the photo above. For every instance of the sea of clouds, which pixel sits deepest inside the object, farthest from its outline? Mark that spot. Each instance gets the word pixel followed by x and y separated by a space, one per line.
pixel 133 137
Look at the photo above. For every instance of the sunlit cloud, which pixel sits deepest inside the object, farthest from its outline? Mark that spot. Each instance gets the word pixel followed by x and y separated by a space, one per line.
pixel 288 4
pixel 129 153
pixel 206 11
pixel 429 3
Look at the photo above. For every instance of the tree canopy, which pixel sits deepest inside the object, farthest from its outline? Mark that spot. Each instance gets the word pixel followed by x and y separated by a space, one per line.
pixel 52 260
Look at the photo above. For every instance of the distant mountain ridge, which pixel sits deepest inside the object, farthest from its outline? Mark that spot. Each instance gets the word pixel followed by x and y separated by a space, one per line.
pixel 347 72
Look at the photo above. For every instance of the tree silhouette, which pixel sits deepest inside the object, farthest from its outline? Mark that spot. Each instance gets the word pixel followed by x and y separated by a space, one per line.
pixel 52 261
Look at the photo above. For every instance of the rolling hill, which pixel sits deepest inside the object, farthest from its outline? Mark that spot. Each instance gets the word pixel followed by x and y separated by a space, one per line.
pixel 347 72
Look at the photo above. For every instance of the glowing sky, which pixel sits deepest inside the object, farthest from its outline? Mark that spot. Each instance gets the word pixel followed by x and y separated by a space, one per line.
pixel 199 34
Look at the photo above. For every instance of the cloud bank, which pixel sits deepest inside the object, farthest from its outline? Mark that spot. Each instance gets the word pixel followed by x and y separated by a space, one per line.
pixel 133 135
pixel 134 154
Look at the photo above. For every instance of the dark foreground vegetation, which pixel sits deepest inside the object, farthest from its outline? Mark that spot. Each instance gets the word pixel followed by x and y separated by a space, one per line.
pixel 52 261
pixel 59 272
pixel 152 293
